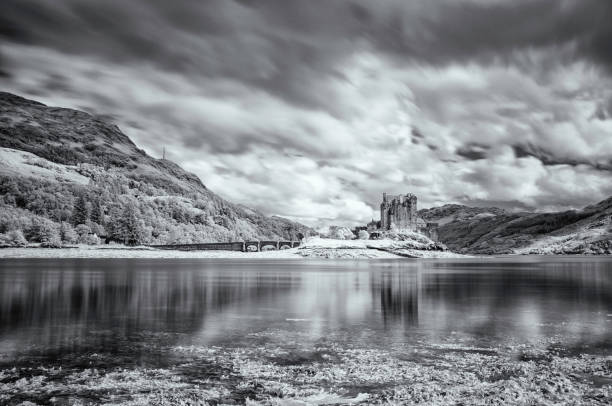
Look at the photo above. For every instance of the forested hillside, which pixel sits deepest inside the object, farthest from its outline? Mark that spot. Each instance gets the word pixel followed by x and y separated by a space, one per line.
pixel 69 177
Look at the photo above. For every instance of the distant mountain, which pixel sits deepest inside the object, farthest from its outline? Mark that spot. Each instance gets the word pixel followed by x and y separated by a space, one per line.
pixel 456 212
pixel 496 231
pixel 60 167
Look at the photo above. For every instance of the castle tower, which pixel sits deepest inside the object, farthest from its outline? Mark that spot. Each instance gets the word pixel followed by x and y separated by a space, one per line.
pixel 398 211
pixel 384 210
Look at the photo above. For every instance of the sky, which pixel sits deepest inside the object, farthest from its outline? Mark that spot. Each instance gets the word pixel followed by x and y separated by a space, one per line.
pixel 311 109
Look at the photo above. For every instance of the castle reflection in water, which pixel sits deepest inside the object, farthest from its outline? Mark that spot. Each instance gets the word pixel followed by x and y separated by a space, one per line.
pixel 77 305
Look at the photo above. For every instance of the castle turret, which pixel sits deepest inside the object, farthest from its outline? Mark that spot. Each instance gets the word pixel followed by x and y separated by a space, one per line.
pixel 398 211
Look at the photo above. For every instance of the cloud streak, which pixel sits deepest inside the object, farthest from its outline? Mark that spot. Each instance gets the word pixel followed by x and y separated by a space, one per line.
pixel 312 109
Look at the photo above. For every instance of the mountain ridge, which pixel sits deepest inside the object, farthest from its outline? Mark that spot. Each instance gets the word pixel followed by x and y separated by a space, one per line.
pixel 52 159
pixel 171 204
pixel 477 230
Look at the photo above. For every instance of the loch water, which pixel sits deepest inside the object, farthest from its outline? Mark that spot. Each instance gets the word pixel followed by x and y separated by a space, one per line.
pixel 227 330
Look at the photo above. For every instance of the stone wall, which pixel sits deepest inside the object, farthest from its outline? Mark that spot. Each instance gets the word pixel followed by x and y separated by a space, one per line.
pixel 398 211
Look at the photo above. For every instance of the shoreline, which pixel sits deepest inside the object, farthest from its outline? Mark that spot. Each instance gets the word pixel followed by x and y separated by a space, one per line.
pixel 303 253
pixel 137 252
pixel 152 253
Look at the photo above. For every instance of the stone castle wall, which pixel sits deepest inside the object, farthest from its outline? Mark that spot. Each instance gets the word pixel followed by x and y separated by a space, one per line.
pixel 398 211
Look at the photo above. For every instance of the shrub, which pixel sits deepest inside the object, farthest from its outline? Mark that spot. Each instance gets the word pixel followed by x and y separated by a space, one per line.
pixel 41 229
pixel 4 240
pixel 96 228
pixel 16 238
pixel 51 239
pixel 91 239
pixel 67 233
pixel 13 238
pixel 82 230
pixel 86 236
pixel 341 233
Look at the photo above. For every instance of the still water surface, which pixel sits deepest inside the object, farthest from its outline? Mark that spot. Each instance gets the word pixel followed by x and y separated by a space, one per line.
pixel 267 320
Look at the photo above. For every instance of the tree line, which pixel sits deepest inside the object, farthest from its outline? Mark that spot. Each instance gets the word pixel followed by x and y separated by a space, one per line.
pixel 114 207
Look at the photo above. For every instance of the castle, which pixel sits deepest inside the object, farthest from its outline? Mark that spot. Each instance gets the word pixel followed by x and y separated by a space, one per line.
pixel 399 212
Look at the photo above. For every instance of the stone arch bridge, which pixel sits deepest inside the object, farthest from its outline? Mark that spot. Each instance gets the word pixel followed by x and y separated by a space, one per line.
pixel 244 246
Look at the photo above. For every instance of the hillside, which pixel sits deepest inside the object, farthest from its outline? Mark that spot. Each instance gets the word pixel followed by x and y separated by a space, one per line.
pixel 456 212
pixel 496 231
pixel 61 168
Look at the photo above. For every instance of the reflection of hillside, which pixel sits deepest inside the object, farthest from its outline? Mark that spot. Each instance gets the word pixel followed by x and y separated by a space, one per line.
pixel 91 305
pixel 52 304
pixel 589 283
pixel 528 299
pixel 492 298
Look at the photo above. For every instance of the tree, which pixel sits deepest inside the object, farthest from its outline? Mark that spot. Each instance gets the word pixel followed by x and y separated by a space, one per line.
pixel 13 238
pixel 364 235
pixel 91 239
pixel 113 224
pixel 80 214
pixel 86 235
pixel 50 238
pixel 97 212
pixel 10 190
pixel 83 231
pixel 131 228
pixel 341 233
pixel 96 228
pixel 39 229
pixel 67 233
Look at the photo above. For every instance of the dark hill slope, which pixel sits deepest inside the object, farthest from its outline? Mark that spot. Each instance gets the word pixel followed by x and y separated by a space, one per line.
pixel 495 231
pixel 74 137
pixel 172 205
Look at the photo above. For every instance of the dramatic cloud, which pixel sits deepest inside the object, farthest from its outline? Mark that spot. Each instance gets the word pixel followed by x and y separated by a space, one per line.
pixel 311 109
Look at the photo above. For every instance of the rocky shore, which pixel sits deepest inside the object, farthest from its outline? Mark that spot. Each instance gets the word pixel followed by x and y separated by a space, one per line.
pixel 403 246
pixel 408 245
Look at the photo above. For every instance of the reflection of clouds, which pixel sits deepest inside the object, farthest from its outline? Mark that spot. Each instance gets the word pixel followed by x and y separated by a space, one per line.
pixel 525 302
pixel 72 305
pixel 529 319
pixel 321 301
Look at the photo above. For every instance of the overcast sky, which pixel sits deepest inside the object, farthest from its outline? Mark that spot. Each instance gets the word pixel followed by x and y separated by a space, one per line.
pixel 311 109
